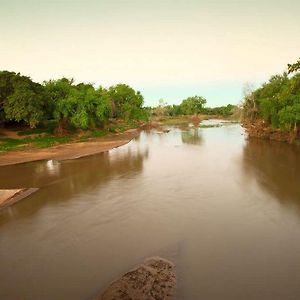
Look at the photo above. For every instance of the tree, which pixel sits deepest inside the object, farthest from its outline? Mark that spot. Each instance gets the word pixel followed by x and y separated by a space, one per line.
pixel 8 83
pixel 81 105
pixel 26 102
pixel 290 115
pixel 294 67
pixel 277 102
pixel 126 102
pixel 192 105
pixel 55 91
pixel 6 89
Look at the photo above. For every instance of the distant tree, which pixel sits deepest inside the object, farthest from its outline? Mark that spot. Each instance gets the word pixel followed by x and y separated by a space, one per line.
pixel 192 105
pixel 126 102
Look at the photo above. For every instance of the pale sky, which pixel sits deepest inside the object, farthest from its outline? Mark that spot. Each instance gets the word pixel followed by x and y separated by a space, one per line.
pixel 166 49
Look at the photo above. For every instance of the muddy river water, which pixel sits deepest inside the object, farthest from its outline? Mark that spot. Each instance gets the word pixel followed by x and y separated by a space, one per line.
pixel 224 209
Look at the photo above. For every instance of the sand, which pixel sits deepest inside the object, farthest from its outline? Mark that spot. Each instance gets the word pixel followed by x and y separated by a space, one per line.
pixel 69 151
pixel 10 197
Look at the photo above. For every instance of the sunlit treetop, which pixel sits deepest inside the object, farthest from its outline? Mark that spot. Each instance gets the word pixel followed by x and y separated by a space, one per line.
pixel 294 67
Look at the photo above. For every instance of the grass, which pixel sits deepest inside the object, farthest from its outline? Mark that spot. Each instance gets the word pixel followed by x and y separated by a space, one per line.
pixel 49 141
pixel 44 138
pixel 92 134
pixel 9 144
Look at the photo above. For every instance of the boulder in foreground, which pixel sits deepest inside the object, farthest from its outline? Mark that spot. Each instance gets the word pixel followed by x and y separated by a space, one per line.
pixel 155 279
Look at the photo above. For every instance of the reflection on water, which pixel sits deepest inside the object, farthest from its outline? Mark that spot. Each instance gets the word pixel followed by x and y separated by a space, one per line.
pixel 192 136
pixel 276 168
pixel 218 210
pixel 68 178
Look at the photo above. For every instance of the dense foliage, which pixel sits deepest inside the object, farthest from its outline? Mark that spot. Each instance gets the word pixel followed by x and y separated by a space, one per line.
pixel 276 102
pixel 192 106
pixel 81 106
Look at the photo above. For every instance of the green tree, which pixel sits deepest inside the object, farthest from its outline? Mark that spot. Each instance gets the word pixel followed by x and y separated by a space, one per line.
pixel 294 67
pixel 192 105
pixel 9 83
pixel 26 103
pixel 126 102
pixel 290 115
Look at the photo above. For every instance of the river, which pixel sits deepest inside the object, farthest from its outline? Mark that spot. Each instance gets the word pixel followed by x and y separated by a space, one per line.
pixel 224 209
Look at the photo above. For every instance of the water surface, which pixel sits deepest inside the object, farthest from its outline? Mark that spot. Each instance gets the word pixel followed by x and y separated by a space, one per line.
pixel 224 209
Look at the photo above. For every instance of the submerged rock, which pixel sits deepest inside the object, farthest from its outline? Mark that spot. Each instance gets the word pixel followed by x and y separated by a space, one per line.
pixel 155 279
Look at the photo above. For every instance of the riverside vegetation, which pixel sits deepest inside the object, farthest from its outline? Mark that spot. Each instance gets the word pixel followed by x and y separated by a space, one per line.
pixel 273 110
pixel 60 111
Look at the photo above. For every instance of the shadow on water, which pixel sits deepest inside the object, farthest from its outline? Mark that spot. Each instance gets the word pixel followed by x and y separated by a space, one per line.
pixel 276 167
pixel 63 181
pixel 192 136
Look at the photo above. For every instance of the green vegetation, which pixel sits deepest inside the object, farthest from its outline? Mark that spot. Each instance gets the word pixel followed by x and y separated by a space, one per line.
pixel 8 144
pixel 60 111
pixel 193 106
pixel 70 106
pixel 294 67
pixel 277 102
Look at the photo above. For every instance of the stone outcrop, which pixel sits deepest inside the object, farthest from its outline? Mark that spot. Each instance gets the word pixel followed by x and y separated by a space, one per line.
pixel 155 279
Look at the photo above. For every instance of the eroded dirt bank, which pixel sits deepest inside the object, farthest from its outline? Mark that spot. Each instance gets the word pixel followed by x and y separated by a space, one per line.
pixel 259 129
pixel 69 151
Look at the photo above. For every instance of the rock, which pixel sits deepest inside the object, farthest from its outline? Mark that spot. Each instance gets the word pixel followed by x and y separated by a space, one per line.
pixel 155 279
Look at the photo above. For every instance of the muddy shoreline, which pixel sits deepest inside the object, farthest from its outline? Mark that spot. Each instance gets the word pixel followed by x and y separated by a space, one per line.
pixel 259 129
pixel 69 151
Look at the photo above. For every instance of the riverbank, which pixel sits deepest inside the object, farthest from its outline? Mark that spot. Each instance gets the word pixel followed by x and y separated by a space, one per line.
pixel 72 147
pixel 185 119
pixel 260 129
pixel 69 150
pixel 10 197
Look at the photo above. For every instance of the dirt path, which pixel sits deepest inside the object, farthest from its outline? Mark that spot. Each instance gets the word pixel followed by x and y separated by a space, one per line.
pixel 69 151
pixel 10 134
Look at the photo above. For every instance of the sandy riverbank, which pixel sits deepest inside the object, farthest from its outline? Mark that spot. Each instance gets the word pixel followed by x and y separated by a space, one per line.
pixel 9 197
pixel 69 151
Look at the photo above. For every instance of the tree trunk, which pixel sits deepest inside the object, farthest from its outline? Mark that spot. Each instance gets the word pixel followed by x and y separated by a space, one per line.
pixel 62 128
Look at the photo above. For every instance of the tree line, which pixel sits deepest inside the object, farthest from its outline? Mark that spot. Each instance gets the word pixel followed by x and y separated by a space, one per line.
pixel 276 102
pixel 82 106
pixel 79 105
pixel 192 106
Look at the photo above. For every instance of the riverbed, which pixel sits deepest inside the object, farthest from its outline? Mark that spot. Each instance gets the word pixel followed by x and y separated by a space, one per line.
pixel 224 209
